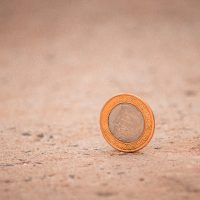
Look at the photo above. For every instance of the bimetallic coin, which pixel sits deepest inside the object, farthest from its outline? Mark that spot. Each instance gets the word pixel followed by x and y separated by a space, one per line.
pixel 127 123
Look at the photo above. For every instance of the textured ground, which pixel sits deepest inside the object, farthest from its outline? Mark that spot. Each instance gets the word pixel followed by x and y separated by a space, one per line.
pixel 59 63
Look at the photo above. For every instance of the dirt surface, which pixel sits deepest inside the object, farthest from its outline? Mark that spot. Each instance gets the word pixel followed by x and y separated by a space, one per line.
pixel 60 61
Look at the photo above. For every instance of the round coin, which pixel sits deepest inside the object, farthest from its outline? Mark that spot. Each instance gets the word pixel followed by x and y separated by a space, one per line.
pixel 127 123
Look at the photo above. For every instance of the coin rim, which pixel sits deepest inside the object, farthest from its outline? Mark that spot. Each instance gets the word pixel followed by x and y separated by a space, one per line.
pixel 149 123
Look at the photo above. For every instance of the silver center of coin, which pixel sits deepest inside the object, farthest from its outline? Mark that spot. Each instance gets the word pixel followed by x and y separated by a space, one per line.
pixel 126 122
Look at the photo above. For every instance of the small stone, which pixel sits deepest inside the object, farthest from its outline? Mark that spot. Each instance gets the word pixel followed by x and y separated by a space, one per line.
pixel 28 179
pixel 71 176
pixel 190 92
pixel 41 135
pixel 26 134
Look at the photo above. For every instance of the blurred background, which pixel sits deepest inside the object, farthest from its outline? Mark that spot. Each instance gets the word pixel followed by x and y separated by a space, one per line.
pixel 61 60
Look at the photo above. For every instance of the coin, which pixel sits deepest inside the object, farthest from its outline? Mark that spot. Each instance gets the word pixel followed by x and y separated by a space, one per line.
pixel 127 122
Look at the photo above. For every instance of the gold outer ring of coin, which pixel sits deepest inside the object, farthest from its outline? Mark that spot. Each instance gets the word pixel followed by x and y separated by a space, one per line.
pixel 149 123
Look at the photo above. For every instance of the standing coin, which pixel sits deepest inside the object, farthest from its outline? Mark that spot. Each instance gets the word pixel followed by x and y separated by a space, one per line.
pixel 127 123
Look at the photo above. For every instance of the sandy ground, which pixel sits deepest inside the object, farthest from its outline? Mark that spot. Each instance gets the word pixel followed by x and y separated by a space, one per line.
pixel 60 61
